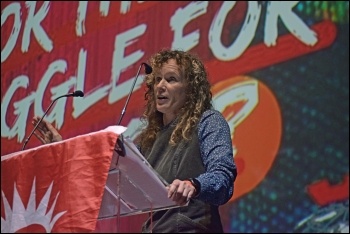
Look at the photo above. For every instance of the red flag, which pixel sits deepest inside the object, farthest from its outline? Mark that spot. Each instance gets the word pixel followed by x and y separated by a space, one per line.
pixel 56 187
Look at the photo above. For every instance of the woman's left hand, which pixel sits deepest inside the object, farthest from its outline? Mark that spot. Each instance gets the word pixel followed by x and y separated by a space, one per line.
pixel 180 191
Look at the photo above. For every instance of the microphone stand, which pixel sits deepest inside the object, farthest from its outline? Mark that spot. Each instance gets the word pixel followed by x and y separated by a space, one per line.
pixel 77 93
pixel 119 147
pixel 148 70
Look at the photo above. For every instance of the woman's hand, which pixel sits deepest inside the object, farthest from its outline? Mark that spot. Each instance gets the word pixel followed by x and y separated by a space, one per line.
pixel 180 191
pixel 45 132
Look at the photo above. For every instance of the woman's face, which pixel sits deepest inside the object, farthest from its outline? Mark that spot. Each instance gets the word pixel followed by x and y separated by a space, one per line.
pixel 170 90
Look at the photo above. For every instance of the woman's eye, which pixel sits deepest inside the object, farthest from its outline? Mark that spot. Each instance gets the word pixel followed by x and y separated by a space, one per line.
pixel 171 79
pixel 158 79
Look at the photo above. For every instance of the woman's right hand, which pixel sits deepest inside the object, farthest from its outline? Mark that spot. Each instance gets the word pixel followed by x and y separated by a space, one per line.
pixel 45 132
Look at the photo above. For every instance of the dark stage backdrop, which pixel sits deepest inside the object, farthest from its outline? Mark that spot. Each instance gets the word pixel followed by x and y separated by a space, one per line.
pixel 279 72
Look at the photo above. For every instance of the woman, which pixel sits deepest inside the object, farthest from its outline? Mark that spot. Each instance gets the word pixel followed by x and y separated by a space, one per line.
pixel 186 141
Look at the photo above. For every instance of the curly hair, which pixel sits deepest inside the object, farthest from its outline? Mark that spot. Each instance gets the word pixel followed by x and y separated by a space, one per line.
pixel 198 97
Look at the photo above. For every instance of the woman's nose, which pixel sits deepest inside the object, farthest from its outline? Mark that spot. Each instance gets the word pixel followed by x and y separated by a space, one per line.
pixel 161 84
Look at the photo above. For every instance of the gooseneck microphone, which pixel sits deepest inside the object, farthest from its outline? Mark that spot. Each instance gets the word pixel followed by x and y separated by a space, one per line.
pixel 119 146
pixel 148 70
pixel 76 93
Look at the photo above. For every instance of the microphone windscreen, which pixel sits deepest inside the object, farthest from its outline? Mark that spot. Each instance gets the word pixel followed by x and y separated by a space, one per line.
pixel 78 93
pixel 148 68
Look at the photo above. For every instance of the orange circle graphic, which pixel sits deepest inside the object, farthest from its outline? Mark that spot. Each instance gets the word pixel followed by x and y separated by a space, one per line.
pixel 254 116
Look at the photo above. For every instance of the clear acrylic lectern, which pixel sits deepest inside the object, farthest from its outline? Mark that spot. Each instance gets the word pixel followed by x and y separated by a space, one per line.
pixel 133 186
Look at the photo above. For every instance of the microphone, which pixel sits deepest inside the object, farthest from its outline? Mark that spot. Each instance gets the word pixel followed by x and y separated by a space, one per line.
pixel 148 70
pixel 76 93
pixel 119 146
